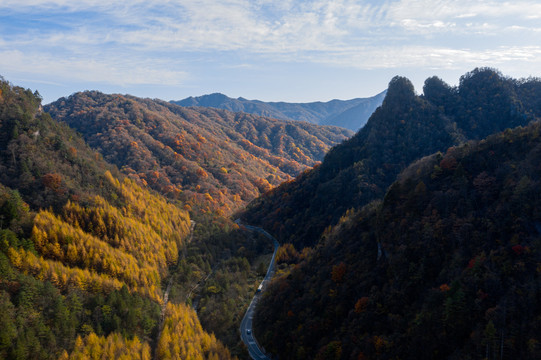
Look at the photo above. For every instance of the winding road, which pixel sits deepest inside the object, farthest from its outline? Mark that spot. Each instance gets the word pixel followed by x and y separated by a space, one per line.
pixel 246 330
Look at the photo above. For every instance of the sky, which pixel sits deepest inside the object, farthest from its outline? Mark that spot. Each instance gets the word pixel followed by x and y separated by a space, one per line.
pixel 294 51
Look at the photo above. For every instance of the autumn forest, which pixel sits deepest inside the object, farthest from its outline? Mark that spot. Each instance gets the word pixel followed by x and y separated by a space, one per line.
pixel 417 237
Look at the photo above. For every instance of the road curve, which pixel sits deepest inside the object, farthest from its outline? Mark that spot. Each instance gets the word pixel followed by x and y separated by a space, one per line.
pixel 246 329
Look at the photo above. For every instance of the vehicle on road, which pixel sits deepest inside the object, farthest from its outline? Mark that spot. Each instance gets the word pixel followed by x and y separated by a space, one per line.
pixel 247 336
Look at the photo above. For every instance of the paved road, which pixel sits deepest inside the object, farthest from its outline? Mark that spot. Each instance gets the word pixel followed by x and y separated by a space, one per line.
pixel 246 330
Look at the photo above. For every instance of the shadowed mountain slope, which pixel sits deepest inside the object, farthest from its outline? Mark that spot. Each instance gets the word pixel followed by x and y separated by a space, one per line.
pixel 447 266
pixel 405 128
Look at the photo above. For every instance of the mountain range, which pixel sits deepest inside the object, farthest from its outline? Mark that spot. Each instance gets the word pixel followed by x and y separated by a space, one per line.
pixel 418 237
pixel 88 252
pixel 211 159
pixel 350 114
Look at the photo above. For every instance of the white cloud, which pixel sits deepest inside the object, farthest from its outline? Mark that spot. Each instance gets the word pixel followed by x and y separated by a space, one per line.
pixel 460 17
pixel 109 71
pixel 466 15
pixel 434 57
pixel 265 26
pixel 138 41
pixel 426 27
pixel 443 9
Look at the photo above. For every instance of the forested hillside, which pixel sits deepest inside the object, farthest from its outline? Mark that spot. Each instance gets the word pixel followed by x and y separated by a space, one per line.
pixel 210 159
pixel 441 262
pixel 350 114
pixel 83 250
pixel 405 128
pixel 446 266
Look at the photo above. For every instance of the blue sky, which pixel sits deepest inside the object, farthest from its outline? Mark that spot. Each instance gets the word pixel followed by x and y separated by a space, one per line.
pixel 296 51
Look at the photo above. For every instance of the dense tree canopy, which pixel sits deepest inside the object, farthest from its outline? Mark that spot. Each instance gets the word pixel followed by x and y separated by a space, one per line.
pixel 444 263
pixel 211 159
pixel 405 128
pixel 446 266
pixel 83 250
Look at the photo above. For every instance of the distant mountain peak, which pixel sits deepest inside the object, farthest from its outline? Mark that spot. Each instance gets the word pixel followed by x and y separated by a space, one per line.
pixel 217 95
pixel 350 114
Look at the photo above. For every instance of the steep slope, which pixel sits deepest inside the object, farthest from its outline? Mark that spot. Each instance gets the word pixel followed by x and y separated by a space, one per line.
pixel 84 276
pixel 405 128
pixel 356 117
pixel 94 222
pixel 209 158
pixel 44 160
pixel 350 114
pixel 446 267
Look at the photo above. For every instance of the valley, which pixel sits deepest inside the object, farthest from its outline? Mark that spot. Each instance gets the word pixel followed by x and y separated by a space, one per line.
pixel 417 237
pixel 246 326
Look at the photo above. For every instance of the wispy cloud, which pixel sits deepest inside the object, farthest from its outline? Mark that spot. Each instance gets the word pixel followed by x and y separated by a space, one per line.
pixel 260 26
pixel 155 41
pixel 431 57
pixel 109 71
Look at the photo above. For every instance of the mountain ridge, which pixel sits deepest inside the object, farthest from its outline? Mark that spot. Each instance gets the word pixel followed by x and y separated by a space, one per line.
pixel 210 158
pixel 406 127
pixel 351 114
pixel 418 237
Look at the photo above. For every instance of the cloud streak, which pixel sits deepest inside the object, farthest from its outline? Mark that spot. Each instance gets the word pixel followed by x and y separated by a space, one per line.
pixel 239 24
pixel 162 41
pixel 110 71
